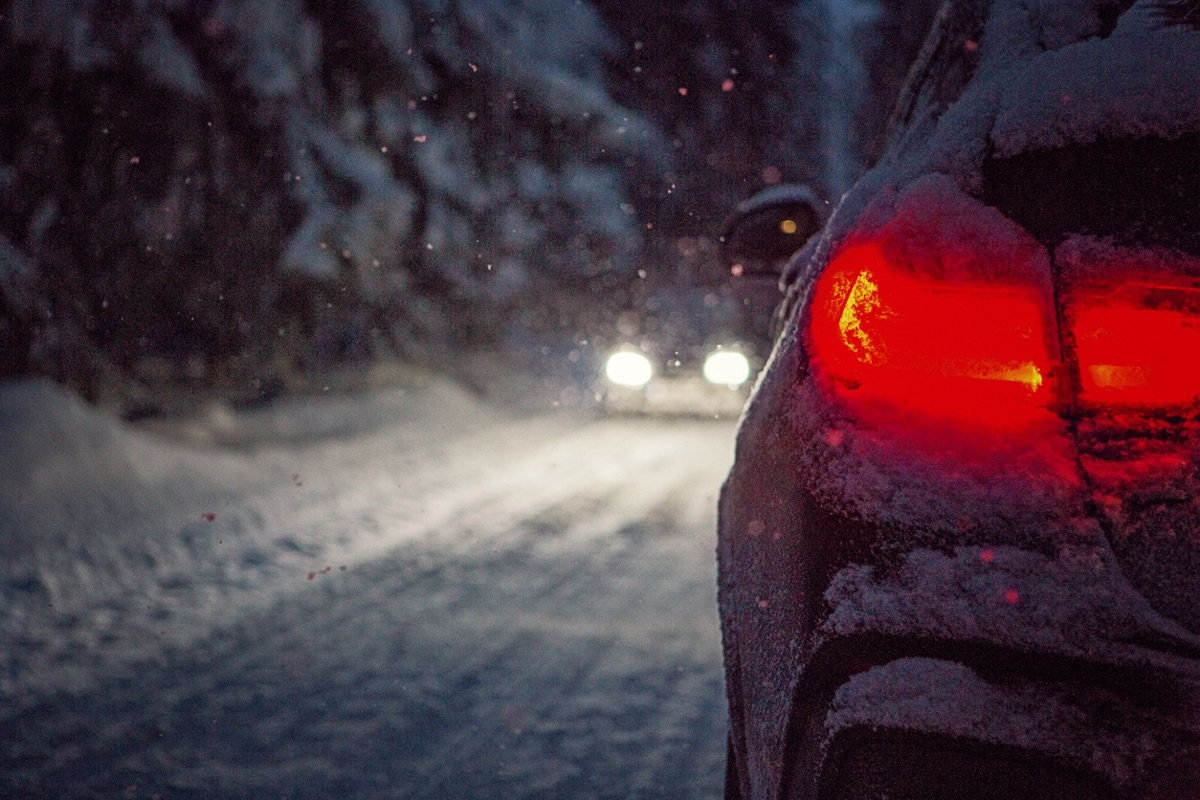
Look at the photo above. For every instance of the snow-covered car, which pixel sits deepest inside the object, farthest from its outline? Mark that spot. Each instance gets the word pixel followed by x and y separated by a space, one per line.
pixel 959 550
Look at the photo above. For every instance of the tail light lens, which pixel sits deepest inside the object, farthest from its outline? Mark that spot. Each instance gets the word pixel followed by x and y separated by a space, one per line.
pixel 964 349
pixel 1137 344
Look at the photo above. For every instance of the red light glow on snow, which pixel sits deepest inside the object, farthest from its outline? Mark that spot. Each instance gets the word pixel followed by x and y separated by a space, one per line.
pixel 966 349
pixel 1138 345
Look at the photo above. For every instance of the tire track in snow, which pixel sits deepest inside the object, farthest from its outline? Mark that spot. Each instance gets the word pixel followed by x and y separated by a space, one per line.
pixel 358 501
pixel 590 667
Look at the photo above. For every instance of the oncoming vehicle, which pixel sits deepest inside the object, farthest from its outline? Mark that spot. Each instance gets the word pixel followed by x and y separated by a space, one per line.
pixel 692 350
pixel 959 549
pixel 681 353
pixel 635 383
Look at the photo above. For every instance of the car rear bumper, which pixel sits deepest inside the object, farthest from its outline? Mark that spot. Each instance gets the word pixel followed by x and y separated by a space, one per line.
pixel 913 692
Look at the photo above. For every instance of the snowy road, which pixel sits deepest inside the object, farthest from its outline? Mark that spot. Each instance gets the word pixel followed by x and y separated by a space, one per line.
pixel 446 601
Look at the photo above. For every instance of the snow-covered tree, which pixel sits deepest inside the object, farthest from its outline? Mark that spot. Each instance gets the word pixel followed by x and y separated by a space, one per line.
pixel 223 191
pixel 750 94
pixel 226 193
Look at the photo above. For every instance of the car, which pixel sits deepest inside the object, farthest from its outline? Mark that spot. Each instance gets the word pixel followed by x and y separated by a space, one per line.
pixel 677 382
pixel 959 547
pixel 681 352
pixel 695 350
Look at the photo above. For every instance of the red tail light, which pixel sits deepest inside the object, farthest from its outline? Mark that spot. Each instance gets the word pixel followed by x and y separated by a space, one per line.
pixel 965 349
pixel 1138 344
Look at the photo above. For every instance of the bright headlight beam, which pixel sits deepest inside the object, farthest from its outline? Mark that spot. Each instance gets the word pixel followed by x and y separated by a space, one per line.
pixel 628 369
pixel 726 368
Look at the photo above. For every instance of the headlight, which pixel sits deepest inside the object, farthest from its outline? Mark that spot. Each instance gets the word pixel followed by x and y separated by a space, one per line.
pixel 726 368
pixel 628 369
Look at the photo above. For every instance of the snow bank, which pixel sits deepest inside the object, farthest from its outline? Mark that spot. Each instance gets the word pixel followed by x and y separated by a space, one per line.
pixel 114 540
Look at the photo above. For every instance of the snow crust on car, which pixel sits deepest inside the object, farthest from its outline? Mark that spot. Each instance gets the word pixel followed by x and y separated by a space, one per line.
pixel 1081 258
pixel 1139 81
pixel 1043 74
pixel 1075 603
pixel 951 236
pixel 934 696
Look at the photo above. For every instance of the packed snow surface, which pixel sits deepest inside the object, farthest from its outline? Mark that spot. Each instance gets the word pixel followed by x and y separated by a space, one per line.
pixel 409 592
